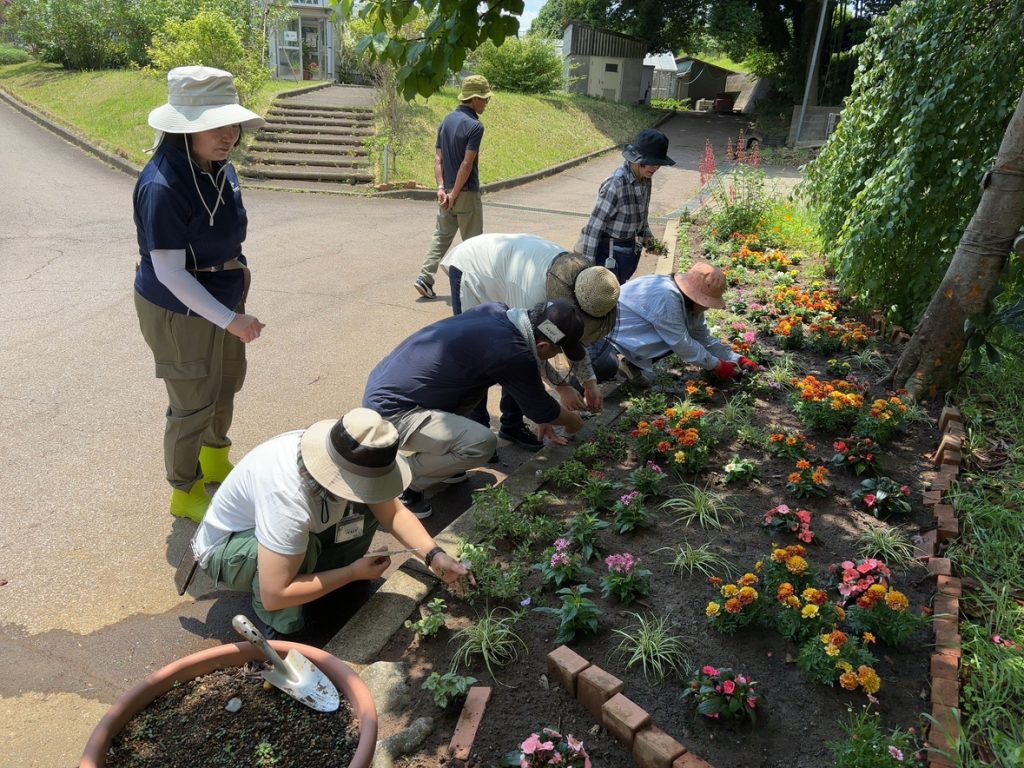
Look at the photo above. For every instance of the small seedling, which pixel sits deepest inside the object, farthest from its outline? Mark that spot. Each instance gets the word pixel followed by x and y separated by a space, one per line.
pixel 583 534
pixel 651 644
pixel 447 688
pixel 569 474
pixel 430 624
pixel 578 613
pixel 740 470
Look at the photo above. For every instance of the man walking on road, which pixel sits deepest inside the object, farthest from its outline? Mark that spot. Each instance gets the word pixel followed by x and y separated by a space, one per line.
pixel 458 181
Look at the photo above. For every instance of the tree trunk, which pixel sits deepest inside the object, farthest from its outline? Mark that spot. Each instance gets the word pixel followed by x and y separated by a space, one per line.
pixel 930 360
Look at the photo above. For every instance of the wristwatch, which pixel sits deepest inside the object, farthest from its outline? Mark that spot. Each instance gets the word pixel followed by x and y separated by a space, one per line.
pixel 429 557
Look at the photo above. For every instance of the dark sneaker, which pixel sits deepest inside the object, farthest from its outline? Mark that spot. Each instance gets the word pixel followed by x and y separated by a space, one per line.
pixel 456 479
pixel 494 458
pixel 521 435
pixel 634 375
pixel 416 504
pixel 425 289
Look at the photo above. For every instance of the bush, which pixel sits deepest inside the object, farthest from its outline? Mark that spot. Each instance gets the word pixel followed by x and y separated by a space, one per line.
pixel 12 55
pixel 678 105
pixel 527 65
pixel 210 40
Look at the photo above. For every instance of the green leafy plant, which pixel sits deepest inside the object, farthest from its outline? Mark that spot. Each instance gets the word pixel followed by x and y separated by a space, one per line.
pixel 9 55
pixel 625 580
pixel 647 404
pixel 578 613
pixel 569 474
pixel 527 64
pixel 807 480
pixel 724 694
pixel 647 479
pixel 651 644
pixel 494 579
pixel 838 369
pixel 429 624
pixel 888 544
pixel 857 453
pixel 587 452
pixel 596 492
pixel 700 505
pixel 837 657
pixel 561 564
pixel 611 444
pixel 883 496
pixel 886 614
pixel 631 513
pixel 704 559
pixel 493 638
pixel 447 688
pixel 583 533
pixel 740 470
pixel 867 746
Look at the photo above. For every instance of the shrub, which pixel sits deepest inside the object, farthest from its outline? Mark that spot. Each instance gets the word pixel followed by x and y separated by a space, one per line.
pixel 210 39
pixel 867 745
pixel 522 65
pixel 677 105
pixel 12 55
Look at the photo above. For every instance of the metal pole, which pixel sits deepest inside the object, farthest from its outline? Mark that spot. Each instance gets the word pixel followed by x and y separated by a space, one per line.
pixel 811 70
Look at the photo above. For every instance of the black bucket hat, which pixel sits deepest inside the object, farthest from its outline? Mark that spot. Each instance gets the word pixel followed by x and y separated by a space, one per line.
pixel 650 147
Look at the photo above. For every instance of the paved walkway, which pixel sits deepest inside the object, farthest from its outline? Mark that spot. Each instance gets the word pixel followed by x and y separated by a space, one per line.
pixel 87 545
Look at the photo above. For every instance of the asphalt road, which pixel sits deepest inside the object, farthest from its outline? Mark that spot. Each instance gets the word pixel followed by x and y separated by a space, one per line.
pixel 86 544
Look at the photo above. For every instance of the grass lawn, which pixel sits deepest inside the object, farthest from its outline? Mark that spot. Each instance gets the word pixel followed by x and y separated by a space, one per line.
pixel 109 107
pixel 523 133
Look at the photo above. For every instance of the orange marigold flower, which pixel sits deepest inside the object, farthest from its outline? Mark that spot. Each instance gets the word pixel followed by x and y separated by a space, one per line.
pixel 784 591
pixel 671 412
pixel 869 637
pixel 897 601
pixel 796 564
pixel 779 555
pixel 803 464
pixel 849 681
pixel 795 477
pixel 747 595
pixel 818 476
pixel 747 579
pixel 840 612
pixel 733 605
pixel 838 638
pixel 790 440
pixel 869 679
pixel 714 580
pixel 664 446
pixel 776 438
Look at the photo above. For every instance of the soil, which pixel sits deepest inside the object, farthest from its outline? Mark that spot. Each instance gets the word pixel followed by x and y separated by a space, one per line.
pixel 189 726
pixel 799 718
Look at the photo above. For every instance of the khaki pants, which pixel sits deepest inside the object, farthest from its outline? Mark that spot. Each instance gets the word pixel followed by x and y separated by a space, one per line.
pixel 439 444
pixel 202 366
pixel 466 217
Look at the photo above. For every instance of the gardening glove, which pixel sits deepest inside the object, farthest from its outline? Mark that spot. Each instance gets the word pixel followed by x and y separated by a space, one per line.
pixel 750 365
pixel 726 371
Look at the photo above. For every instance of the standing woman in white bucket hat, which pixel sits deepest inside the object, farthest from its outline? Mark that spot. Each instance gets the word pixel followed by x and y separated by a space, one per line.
pixel 191 281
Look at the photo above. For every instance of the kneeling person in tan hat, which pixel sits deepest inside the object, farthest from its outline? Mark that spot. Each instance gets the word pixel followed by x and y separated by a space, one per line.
pixel 294 519
pixel 661 314
pixel 521 271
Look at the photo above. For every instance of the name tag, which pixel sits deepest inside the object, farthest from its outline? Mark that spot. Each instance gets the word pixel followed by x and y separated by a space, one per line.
pixel 348 528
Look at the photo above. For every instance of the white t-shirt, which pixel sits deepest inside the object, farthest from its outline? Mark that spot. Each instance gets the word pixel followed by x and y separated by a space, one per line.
pixel 511 269
pixel 264 491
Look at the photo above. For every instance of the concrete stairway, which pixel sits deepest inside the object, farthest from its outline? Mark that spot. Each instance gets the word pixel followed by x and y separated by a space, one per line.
pixel 307 141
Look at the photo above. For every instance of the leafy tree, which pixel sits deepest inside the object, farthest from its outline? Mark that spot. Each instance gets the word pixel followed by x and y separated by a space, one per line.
pixel 527 65
pixel 898 181
pixel 555 14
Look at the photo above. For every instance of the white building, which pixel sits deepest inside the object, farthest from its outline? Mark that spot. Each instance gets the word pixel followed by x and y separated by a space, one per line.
pixel 302 48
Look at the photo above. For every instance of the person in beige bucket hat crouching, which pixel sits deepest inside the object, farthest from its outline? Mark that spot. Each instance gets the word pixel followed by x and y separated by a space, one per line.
pixel 522 270
pixel 662 314
pixel 295 518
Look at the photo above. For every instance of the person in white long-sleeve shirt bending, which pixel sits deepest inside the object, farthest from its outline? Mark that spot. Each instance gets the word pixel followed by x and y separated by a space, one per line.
pixel 662 314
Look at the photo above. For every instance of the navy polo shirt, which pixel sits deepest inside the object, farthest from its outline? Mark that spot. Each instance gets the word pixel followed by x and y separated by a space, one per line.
pixel 169 215
pixel 449 365
pixel 460 131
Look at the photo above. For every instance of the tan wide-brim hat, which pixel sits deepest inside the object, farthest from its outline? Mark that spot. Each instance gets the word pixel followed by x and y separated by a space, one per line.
pixel 201 99
pixel 703 283
pixel 356 457
pixel 475 87
pixel 595 290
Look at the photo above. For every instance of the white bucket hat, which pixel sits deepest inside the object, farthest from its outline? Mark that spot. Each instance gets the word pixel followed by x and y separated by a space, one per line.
pixel 201 99
pixel 356 457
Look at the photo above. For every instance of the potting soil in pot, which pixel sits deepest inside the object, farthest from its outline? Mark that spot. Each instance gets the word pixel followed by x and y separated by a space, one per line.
pixel 191 725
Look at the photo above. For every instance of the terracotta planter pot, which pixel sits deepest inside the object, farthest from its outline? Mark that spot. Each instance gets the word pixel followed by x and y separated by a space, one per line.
pixel 135 700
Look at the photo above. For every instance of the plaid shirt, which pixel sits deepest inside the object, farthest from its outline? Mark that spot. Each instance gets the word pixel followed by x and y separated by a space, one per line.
pixel 620 211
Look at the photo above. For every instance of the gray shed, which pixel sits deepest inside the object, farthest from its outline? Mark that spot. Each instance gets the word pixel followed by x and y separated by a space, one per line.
pixel 605 64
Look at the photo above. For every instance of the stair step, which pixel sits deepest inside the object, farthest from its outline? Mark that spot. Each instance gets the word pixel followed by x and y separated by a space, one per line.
pixel 357 117
pixel 318 160
pixel 296 104
pixel 343 150
pixel 326 130
pixel 336 140
pixel 298 120
pixel 341 176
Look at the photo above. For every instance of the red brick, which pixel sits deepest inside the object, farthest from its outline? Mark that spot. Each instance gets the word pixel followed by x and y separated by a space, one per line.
pixel 951 458
pixel 956 429
pixel 943 733
pixel 469 722
pixel 950 414
pixel 945 666
pixel 945 721
pixel 932 497
pixel 947 605
pixel 564 664
pixel 690 760
pixel 938 761
pixel 946 692
pixel 947 641
pixel 623 718
pixel 926 547
pixel 940 566
pixel 949 585
pixel 594 687
pixel 954 651
pixel 895 331
pixel 946 444
pixel 948 528
pixel 944 509
pixel 653 748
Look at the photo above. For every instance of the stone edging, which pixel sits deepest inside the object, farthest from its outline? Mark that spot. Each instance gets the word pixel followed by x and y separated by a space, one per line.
pixel 601 694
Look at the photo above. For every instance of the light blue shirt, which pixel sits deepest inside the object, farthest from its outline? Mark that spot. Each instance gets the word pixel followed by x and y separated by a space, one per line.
pixel 653 322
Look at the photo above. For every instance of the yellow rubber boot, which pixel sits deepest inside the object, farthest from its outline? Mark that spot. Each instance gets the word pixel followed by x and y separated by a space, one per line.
pixel 215 463
pixel 192 504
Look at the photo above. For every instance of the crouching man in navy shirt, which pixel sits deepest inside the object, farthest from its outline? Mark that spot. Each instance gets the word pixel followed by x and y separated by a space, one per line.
pixel 431 382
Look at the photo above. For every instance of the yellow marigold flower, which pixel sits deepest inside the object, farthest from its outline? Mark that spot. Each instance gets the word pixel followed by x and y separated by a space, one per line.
pixel 897 601
pixel 849 681
pixel 869 679
pixel 877 590
pixel 680 457
pixel 730 590
pixel 809 611
pixel 826 638
pixel 643 425
pixel 831 650
pixel 712 609
pixel 840 612
pixel 747 595
pixel 809 593
pixel 869 637
pixel 748 579
pixel 845 666
pixel 796 564
pixel 792 601
pixel 779 555
pixel 759 565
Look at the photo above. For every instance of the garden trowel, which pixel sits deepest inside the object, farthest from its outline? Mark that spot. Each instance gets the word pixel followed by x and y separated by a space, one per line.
pixel 294 674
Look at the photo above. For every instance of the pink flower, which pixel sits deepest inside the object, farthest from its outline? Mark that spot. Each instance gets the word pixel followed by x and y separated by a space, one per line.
pixel 729 687
pixel 869 500
pixel 846 565
pixel 562 544
pixel 555 759
pixel 905 489
pixel 896 753
pixel 710 671
pixel 752 702
pixel 749 337
pixel 532 744
pixel 806 536
pixel 574 744
pixel 803 516
pixel 741 679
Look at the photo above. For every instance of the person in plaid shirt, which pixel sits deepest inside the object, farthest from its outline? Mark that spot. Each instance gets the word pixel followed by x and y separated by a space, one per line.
pixel 620 213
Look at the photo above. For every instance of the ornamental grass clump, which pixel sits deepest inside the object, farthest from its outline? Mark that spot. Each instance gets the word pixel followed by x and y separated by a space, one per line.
pixel 738 607
pixel 802 615
pixel 837 657
pixel 651 644
pixel 578 613
pixel 548 748
pixel 724 694
pixel 631 513
pixel 796 521
pixel 703 559
pixel 883 496
pixel 827 405
pixel 561 564
pixel 857 453
pixel 491 637
pixel 625 580
pixel 888 544
pixel 807 480
pixel 885 613
pixel 703 506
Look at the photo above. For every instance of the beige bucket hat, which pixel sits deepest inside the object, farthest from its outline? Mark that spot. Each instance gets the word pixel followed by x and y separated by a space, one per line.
pixel 356 457
pixel 475 87
pixel 595 290
pixel 703 283
pixel 201 99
